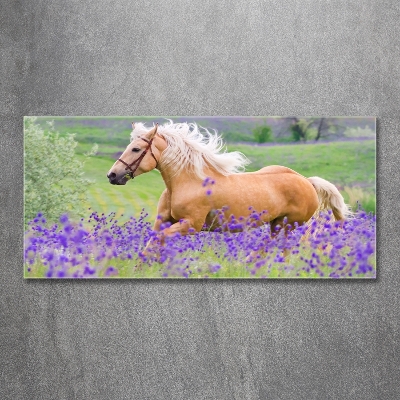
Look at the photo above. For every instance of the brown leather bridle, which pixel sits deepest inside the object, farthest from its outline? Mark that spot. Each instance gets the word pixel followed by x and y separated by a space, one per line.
pixel 137 162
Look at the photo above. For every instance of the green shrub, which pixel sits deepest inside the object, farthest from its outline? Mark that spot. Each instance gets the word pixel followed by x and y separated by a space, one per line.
pixel 54 182
pixel 299 131
pixel 263 133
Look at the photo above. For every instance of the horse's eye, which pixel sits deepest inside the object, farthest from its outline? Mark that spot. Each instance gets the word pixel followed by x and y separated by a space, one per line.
pixel 135 149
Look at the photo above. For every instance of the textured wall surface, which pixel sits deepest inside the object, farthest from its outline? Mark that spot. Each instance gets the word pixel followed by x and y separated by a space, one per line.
pixel 199 339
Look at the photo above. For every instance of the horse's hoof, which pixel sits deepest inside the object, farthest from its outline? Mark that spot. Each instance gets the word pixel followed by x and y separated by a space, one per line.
pixel 250 259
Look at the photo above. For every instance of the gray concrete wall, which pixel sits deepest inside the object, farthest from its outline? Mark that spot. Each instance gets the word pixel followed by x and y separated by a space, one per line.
pixel 207 339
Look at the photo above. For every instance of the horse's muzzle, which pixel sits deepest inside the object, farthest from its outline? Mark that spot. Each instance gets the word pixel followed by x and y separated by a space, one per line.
pixel 112 177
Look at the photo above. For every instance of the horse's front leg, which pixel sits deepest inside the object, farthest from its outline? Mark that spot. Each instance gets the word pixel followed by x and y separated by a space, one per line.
pixel 163 216
pixel 184 227
pixel 152 247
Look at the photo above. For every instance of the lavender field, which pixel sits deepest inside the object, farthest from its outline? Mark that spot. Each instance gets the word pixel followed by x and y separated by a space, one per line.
pixel 321 249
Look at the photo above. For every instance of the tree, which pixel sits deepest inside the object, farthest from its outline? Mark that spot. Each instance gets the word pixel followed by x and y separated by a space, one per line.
pixel 262 133
pixel 54 181
pixel 303 129
pixel 327 127
pixel 299 128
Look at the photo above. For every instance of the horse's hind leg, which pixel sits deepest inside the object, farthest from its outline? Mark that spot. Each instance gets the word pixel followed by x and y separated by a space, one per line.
pixel 276 227
pixel 256 254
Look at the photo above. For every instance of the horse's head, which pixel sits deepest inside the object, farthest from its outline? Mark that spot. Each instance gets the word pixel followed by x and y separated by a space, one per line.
pixel 139 157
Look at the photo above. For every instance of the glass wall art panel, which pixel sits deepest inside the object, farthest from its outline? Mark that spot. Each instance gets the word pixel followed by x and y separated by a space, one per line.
pixel 199 197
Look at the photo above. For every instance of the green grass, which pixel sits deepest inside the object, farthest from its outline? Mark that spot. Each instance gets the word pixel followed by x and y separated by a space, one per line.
pixel 292 268
pixel 346 164
pixel 143 192
pixel 349 165
pixel 343 163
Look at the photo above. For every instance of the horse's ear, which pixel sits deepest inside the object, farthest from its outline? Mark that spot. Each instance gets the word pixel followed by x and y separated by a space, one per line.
pixel 133 125
pixel 153 132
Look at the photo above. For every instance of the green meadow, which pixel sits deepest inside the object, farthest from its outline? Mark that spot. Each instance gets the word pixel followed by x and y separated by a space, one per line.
pixel 350 165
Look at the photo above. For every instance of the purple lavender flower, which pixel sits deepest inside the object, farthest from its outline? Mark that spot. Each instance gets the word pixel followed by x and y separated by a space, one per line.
pixel 214 268
pixel 64 218
pixel 328 249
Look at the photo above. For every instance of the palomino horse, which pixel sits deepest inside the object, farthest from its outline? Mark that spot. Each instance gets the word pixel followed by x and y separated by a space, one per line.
pixel 187 157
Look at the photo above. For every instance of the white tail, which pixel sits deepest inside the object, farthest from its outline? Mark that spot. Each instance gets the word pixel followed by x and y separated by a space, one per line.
pixel 330 198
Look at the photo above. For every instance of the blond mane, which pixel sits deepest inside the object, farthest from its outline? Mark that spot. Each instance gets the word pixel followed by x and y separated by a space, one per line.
pixel 194 148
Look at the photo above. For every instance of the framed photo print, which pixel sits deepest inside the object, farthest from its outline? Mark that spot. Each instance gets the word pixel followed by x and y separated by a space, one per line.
pixel 200 197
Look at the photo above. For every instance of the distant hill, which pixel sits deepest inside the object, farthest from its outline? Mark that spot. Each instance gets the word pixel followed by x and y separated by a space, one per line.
pixel 233 129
